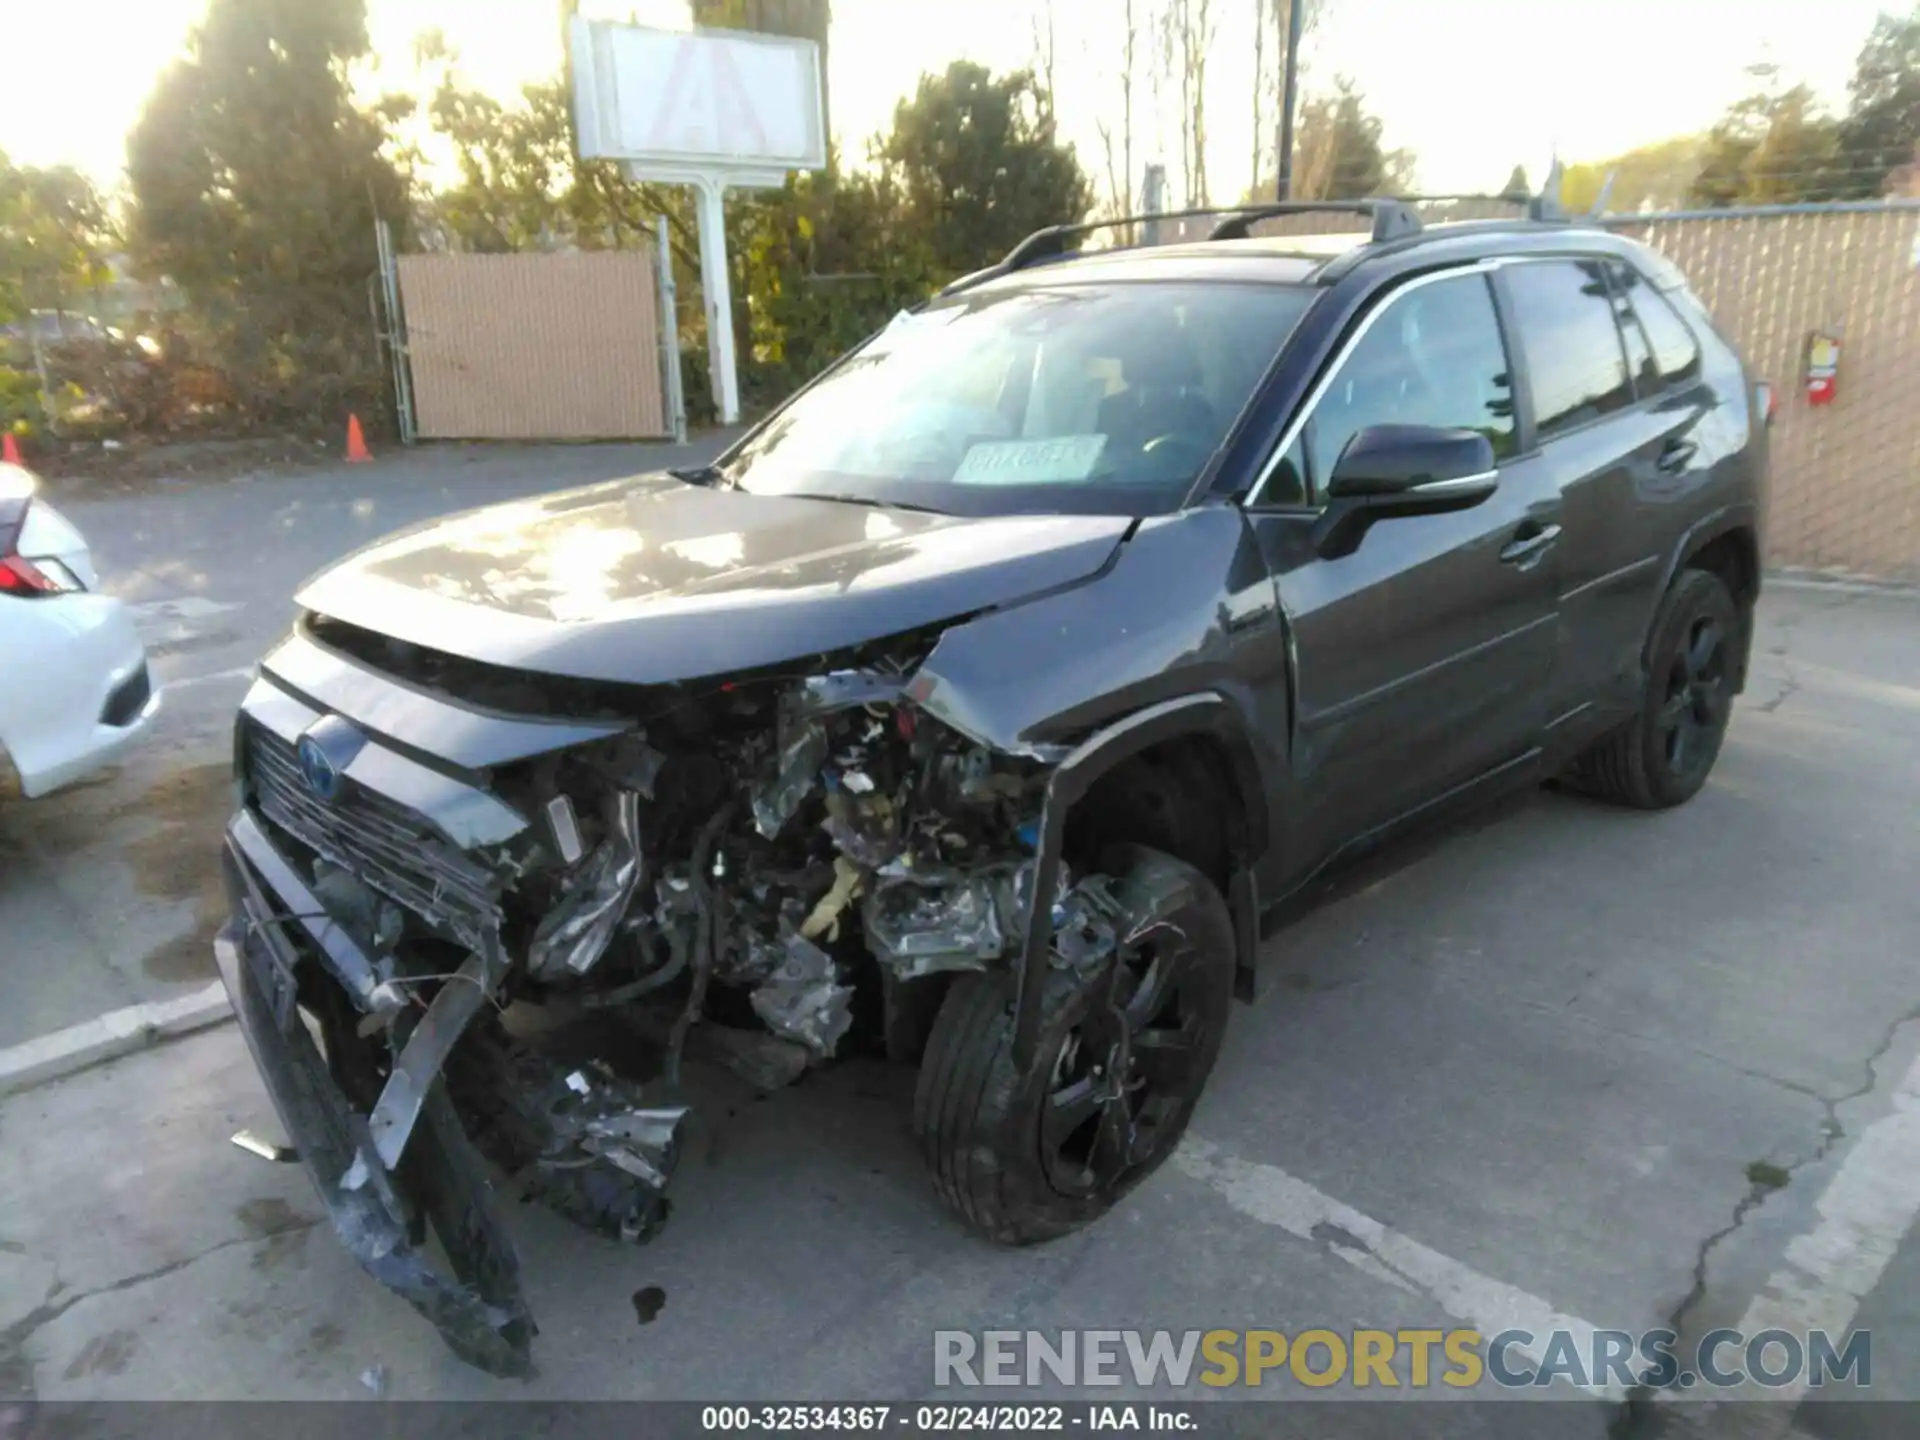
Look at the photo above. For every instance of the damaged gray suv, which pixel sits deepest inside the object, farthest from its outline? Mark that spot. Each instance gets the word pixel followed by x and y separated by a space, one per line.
pixel 983 707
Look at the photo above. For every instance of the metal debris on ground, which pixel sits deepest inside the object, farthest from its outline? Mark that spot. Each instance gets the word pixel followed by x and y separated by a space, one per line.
pixel 804 1000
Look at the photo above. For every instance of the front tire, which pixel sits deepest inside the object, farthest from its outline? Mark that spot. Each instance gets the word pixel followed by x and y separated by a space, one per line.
pixel 1123 1055
pixel 1663 756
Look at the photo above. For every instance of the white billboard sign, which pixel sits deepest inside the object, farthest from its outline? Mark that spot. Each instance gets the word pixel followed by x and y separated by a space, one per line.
pixel 708 108
pixel 676 103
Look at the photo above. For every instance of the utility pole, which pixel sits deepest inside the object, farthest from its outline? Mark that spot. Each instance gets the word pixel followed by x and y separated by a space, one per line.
pixel 1296 21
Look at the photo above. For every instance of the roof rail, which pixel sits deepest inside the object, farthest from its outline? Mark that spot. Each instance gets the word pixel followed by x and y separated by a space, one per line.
pixel 1391 218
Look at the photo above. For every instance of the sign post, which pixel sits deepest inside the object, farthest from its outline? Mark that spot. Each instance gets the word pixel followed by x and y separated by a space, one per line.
pixel 713 109
pixel 717 288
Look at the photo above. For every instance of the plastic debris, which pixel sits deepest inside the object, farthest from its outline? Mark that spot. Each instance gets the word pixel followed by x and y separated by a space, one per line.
pixel 824 922
pixel 374 1377
pixel 265 1149
pixel 804 1001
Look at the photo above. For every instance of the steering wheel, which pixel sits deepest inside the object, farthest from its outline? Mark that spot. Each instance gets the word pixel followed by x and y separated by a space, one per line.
pixel 1175 447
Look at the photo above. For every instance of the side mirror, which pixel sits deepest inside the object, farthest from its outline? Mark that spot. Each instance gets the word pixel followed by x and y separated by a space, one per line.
pixel 1389 470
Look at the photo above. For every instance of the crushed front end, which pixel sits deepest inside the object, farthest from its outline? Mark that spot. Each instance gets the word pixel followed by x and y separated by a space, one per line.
pixel 761 871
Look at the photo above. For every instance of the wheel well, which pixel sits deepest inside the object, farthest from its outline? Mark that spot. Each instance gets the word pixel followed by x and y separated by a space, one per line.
pixel 1734 557
pixel 1178 797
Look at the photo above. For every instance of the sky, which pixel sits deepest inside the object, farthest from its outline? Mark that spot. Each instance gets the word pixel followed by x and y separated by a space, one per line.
pixel 1471 86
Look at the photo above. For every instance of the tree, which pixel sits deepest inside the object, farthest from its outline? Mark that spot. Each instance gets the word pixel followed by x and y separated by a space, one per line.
pixel 1518 186
pixel 1187 36
pixel 1260 80
pixel 1274 83
pixel 1339 154
pixel 976 165
pixel 1654 177
pixel 255 185
pixel 522 188
pixel 1881 131
pixel 1773 147
pixel 54 237
pixel 1120 181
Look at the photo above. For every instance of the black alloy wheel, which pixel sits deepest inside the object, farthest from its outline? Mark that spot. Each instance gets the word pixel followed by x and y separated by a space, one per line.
pixel 1664 754
pixel 1123 1054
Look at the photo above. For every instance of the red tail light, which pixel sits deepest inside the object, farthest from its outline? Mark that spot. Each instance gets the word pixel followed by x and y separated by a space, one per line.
pixel 19 575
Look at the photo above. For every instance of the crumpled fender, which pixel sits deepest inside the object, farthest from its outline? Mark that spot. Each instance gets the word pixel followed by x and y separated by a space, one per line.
pixel 1187 607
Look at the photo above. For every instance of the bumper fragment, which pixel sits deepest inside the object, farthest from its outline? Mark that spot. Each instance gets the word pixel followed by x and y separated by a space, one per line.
pixel 479 1310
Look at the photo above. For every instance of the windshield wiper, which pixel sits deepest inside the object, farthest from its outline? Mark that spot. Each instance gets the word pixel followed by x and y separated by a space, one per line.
pixel 866 500
pixel 697 474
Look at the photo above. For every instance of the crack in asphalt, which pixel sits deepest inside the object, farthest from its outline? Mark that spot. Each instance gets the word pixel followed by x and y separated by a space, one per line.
pixel 1640 1418
pixel 1785 626
pixel 16 1370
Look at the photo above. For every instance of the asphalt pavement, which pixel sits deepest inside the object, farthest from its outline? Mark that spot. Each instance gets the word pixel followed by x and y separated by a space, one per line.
pixel 1571 1067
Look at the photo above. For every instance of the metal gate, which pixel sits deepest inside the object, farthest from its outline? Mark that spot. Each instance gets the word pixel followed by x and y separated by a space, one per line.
pixel 562 346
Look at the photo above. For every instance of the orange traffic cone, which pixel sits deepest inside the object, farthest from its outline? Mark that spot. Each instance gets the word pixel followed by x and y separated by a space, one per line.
pixel 10 450
pixel 357 451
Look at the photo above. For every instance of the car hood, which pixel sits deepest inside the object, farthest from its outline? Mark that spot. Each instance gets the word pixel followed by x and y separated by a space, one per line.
pixel 650 580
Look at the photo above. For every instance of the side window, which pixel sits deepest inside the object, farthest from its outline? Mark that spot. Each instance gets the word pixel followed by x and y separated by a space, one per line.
pixel 1433 356
pixel 1676 354
pixel 1575 363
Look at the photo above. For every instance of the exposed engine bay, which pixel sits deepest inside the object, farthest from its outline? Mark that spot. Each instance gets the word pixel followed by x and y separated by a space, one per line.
pixel 763 873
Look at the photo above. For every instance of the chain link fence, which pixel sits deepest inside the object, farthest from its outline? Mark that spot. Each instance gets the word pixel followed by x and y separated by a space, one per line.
pixel 1846 475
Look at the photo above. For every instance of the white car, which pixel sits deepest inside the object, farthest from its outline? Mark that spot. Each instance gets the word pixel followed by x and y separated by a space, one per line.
pixel 74 688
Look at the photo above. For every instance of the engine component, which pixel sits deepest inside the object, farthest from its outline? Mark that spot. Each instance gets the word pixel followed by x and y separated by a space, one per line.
pixel 918 925
pixel 573 935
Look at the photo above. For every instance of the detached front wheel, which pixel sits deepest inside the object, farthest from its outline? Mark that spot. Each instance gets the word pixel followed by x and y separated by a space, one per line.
pixel 1123 1055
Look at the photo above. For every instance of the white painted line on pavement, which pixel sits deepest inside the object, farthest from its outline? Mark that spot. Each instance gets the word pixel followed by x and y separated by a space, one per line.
pixel 1865 1213
pixel 1273 1197
pixel 109 1036
pixel 185 607
pixel 238 672
pixel 1888 589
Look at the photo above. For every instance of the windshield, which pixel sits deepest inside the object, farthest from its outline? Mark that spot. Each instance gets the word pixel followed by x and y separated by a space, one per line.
pixel 1104 399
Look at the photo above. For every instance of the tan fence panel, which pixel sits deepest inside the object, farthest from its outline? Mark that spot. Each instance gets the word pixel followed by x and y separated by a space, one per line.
pixel 1846 476
pixel 534 347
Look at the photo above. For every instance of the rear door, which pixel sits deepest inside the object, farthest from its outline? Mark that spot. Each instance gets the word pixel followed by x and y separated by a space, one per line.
pixel 1421 658
pixel 1600 436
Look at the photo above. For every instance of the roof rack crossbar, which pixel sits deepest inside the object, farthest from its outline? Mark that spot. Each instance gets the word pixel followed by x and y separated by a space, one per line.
pixel 1051 243
pixel 1391 219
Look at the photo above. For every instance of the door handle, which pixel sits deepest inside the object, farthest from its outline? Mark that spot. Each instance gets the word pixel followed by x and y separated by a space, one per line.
pixel 1675 456
pixel 1529 545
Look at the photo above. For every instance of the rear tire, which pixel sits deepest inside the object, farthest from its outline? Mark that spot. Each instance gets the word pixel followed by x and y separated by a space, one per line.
pixel 1023 1157
pixel 1663 756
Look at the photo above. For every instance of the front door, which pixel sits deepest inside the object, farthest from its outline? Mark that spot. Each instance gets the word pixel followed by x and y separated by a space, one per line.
pixel 1422 658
